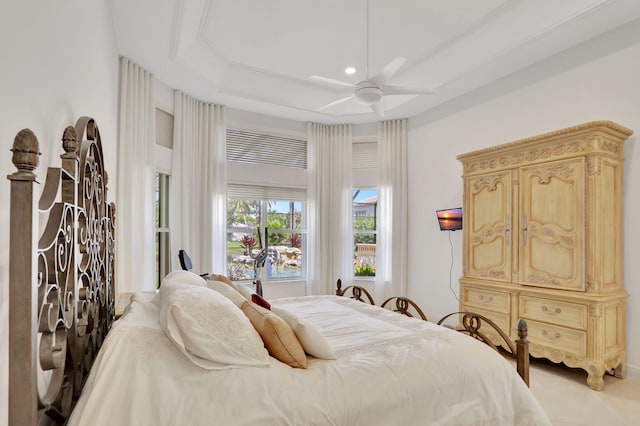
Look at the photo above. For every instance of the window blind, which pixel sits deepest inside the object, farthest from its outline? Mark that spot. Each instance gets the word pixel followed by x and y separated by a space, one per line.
pixel 258 148
pixel 164 128
pixel 258 192
pixel 364 155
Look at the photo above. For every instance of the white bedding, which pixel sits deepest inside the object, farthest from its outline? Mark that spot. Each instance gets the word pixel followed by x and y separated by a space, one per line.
pixel 390 370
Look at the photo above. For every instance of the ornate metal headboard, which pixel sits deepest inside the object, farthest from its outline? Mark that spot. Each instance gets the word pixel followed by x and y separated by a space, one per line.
pixel 61 293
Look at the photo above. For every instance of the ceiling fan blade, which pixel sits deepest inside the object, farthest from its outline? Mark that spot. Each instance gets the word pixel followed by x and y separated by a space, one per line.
pixel 378 110
pixel 331 81
pixel 334 103
pixel 389 71
pixel 390 89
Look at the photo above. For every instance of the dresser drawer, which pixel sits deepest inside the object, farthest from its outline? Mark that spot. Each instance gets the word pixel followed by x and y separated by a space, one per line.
pixel 556 337
pixel 560 313
pixel 501 320
pixel 486 299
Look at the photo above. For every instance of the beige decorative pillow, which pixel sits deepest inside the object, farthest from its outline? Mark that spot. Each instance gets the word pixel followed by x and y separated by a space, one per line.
pixel 245 290
pixel 278 337
pixel 227 291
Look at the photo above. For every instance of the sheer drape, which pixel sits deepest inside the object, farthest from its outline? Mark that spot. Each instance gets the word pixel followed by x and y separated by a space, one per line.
pixel 198 184
pixel 391 253
pixel 135 208
pixel 330 245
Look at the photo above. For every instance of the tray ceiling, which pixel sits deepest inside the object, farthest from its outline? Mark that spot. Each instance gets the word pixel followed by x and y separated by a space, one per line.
pixel 259 55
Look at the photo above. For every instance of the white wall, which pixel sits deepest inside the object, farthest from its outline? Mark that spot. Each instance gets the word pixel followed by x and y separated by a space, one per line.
pixel 59 62
pixel 596 81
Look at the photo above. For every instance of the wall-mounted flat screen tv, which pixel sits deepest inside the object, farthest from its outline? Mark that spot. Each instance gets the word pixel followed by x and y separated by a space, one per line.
pixel 450 219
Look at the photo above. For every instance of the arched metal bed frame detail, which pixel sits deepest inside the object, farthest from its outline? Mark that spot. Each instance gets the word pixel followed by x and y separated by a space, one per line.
pixel 62 281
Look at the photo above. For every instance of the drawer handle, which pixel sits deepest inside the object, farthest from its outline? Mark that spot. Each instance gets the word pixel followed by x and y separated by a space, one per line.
pixel 548 336
pixel 489 299
pixel 545 309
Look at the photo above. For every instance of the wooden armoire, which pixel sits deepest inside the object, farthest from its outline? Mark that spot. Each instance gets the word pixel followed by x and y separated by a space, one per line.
pixel 543 240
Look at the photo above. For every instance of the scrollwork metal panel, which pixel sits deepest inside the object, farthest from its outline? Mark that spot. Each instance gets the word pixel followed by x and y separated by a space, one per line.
pixel 74 271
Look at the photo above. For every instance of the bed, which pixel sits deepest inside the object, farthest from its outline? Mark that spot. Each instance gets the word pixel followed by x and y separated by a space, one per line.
pixel 201 352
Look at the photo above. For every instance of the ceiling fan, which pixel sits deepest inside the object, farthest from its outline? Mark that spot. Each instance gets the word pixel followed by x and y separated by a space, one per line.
pixel 371 90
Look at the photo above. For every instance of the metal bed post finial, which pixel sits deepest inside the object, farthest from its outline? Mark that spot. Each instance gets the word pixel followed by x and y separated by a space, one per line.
pixel 70 142
pixel 25 154
pixel 522 350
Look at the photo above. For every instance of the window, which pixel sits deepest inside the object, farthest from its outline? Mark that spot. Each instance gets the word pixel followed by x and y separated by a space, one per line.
pixel 365 208
pixel 163 257
pixel 286 236
pixel 365 213
pixel 279 206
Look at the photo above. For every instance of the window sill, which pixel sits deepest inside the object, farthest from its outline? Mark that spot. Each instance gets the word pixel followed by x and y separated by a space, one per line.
pixel 365 279
pixel 264 283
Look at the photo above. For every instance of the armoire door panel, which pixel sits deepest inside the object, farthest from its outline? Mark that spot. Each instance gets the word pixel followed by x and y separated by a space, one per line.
pixel 551 256
pixel 488 226
pixel 552 199
pixel 489 259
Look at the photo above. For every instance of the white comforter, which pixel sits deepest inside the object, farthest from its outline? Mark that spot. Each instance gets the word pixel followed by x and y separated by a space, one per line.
pixel 390 370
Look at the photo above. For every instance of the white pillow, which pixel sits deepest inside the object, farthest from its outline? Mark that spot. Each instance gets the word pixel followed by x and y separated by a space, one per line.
pixel 227 291
pixel 179 277
pixel 209 329
pixel 312 341
pixel 183 277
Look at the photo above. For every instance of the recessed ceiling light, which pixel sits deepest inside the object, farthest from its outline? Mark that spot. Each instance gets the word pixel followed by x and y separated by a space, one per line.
pixel 350 70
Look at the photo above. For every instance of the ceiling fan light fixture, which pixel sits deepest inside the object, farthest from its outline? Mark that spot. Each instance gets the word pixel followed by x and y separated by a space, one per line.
pixel 350 70
pixel 370 90
pixel 368 94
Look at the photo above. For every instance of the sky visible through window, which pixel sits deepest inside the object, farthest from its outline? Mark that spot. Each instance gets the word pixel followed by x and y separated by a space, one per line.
pixel 365 194
pixel 280 206
pixel 283 206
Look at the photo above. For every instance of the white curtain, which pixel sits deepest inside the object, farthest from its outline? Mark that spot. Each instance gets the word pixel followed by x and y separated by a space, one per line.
pixel 135 208
pixel 330 245
pixel 198 184
pixel 392 249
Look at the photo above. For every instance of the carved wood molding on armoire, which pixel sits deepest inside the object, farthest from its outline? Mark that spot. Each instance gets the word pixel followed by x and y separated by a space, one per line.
pixel 543 240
